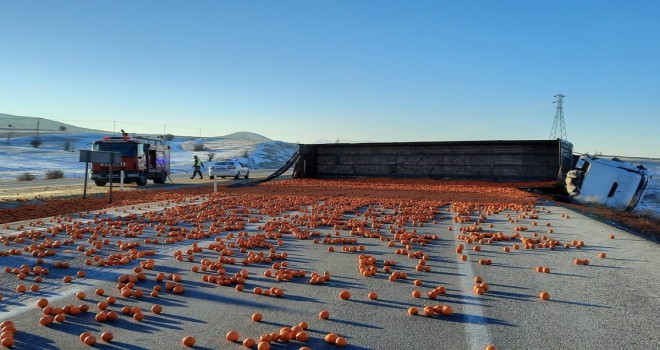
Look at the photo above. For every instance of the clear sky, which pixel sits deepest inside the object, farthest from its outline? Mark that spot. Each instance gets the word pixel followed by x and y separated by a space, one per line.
pixel 355 70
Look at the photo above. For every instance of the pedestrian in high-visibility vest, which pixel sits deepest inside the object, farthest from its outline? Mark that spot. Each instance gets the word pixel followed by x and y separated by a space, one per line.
pixel 197 164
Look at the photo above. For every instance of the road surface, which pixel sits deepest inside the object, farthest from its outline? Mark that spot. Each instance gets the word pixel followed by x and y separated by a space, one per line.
pixel 612 302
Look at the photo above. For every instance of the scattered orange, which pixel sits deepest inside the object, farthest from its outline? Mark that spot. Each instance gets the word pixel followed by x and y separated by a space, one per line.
pixel 232 336
pixel 156 309
pixel 249 343
pixel 188 341
pixel 330 338
pixel 340 341
pixel 42 303
pixel 106 336
pixel 302 337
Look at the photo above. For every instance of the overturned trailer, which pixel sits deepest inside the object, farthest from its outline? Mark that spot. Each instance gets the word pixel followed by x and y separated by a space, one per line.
pixel 506 161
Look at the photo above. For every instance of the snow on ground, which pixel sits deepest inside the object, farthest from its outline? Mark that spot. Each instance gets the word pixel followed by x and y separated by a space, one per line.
pixel 60 151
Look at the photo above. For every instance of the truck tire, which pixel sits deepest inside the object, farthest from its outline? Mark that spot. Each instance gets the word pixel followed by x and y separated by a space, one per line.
pixel 211 177
pixel 238 174
pixel 247 174
pixel 141 181
pixel 100 183
pixel 160 179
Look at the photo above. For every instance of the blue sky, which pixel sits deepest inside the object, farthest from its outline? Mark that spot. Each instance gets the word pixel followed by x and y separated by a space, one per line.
pixel 301 71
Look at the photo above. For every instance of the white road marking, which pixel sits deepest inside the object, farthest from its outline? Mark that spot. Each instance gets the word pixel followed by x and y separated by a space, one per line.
pixel 476 330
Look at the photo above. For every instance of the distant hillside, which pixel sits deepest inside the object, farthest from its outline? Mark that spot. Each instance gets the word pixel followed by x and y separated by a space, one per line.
pixel 14 123
pixel 246 135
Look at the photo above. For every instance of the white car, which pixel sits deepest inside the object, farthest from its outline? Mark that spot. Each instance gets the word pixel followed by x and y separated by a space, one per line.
pixel 229 168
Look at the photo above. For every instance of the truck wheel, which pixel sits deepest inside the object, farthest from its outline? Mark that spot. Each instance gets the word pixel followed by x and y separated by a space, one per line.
pixel 247 174
pixel 211 177
pixel 238 174
pixel 159 180
pixel 141 181
pixel 100 183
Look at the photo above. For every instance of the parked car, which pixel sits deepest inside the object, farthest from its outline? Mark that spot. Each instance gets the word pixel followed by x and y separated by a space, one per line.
pixel 229 168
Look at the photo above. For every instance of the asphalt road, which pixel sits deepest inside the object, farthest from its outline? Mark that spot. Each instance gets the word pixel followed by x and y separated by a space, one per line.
pixel 11 190
pixel 611 303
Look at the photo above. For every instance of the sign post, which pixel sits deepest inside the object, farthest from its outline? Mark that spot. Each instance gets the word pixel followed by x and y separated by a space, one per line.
pixel 103 157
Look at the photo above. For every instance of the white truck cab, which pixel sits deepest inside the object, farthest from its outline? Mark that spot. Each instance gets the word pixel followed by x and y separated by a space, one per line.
pixel 608 182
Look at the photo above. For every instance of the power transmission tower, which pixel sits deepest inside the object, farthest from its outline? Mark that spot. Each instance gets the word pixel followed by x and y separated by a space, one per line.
pixel 558 126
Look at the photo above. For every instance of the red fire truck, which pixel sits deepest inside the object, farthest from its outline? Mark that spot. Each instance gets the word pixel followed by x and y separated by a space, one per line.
pixel 142 159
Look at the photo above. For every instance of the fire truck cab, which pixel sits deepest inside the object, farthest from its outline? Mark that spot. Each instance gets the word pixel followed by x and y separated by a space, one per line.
pixel 142 159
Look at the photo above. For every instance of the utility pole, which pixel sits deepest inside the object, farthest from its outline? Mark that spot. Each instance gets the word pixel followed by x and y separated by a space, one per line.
pixel 38 119
pixel 558 126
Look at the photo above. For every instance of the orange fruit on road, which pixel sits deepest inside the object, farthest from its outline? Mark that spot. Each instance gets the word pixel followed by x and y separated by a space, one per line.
pixel 90 340
pixel 447 310
pixel 101 316
pixel 428 311
pixel 345 294
pixel 302 337
pixel 232 336
pixel 156 309
pixel 330 338
pixel 544 296
pixel 256 317
pixel 42 303
pixel 372 296
pixel 249 343
pixel 324 315
pixel 46 320
pixel 602 255
pixel 340 341
pixel 7 342
pixel 107 336
pixel 188 341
